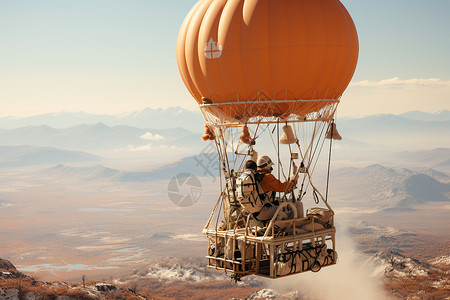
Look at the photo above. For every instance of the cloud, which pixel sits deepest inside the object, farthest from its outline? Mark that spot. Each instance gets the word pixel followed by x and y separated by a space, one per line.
pixel 407 83
pixel 147 147
pixel 156 149
pixel 151 137
pixel 190 237
pixel 352 278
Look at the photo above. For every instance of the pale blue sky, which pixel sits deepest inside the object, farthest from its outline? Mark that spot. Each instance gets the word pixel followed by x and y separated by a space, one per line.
pixel 109 56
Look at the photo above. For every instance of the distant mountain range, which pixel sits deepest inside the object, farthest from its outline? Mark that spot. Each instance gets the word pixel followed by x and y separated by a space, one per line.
pixel 96 173
pixel 148 118
pixel 195 165
pixel 385 188
pixel 99 138
pixel 437 158
pixel 70 130
pixel 164 118
pixel 20 156
pixel 376 187
pixel 443 115
pixel 169 138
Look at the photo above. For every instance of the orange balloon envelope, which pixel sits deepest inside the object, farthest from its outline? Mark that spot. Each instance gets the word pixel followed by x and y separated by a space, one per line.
pixel 242 59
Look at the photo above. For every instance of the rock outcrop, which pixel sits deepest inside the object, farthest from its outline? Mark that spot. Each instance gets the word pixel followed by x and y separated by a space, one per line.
pixel 9 271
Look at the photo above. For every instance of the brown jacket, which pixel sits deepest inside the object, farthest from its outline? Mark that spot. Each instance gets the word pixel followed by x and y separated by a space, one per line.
pixel 270 184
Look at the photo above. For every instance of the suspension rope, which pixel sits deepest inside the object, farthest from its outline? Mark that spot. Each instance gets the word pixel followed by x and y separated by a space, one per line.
pixel 222 188
pixel 219 201
pixel 318 155
pixel 278 146
pixel 256 130
pixel 314 164
pixel 226 167
pixel 310 158
pixel 235 150
pixel 275 147
pixel 318 141
pixel 261 131
pixel 224 149
pixel 301 194
pixel 220 209
pixel 329 162
pixel 232 148
pixel 235 153
pixel 320 148
pixel 310 152
pixel 219 153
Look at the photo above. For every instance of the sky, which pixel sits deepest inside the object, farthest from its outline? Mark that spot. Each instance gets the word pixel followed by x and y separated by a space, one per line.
pixel 115 57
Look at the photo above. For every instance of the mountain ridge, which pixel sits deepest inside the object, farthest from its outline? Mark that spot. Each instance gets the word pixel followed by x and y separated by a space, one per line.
pixel 392 189
pixel 146 118
pixel 384 188
pixel 97 137
pixel 184 165
pixel 70 130
pixel 25 155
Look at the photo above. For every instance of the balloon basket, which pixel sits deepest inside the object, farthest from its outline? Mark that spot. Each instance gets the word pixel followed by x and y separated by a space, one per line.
pixel 280 248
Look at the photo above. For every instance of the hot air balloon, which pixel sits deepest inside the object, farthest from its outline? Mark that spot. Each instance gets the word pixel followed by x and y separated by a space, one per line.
pixel 269 68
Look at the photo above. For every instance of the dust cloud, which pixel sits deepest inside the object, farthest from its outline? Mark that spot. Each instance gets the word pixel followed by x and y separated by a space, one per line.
pixel 351 278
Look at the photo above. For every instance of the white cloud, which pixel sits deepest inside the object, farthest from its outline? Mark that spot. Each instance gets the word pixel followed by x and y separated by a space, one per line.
pixel 151 137
pixel 190 237
pixel 398 82
pixel 140 148
pixel 166 150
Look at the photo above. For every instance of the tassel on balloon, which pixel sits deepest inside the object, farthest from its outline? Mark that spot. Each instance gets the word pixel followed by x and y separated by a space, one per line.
pixel 332 133
pixel 245 136
pixel 209 134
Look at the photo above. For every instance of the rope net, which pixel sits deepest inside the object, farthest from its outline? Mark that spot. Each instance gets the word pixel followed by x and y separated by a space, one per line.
pixel 232 153
pixel 260 112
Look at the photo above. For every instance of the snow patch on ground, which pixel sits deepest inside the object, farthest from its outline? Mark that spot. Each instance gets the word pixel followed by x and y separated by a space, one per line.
pixel 179 272
pixel 272 295
pixel 441 283
pixel 442 260
pixel 394 265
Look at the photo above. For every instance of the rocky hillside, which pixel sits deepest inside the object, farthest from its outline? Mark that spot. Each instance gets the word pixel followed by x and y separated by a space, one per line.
pixel 174 278
pixel 15 285
pixel 411 265
pixel 408 278
pixel 403 277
